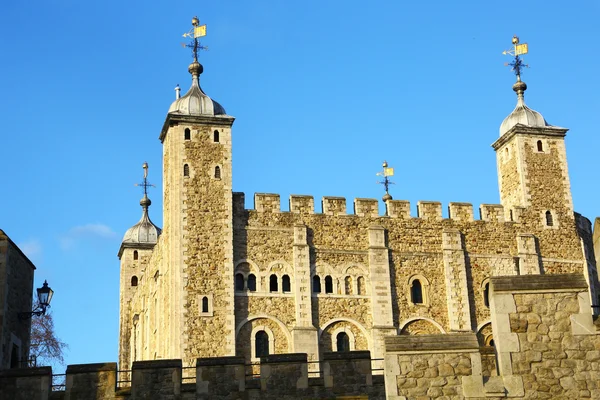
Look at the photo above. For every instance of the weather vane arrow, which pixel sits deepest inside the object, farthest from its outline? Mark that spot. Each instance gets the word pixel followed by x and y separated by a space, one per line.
pixel 196 32
pixel 517 50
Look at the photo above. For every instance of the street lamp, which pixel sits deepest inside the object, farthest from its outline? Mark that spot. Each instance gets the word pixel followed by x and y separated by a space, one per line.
pixel 44 297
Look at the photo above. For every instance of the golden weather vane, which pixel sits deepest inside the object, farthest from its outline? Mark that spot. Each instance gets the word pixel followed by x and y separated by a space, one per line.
pixel 386 173
pixel 196 32
pixel 517 50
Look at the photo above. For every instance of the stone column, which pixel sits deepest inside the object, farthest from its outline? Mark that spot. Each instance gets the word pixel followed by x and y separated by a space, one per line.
pixel 305 335
pixel 91 381
pixel 26 383
pixel 529 259
pixel 380 290
pixel 220 375
pixel 455 271
pixel 157 376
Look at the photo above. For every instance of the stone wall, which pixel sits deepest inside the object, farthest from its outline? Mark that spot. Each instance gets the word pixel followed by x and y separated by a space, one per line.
pixel 282 376
pixel 546 346
pixel 16 291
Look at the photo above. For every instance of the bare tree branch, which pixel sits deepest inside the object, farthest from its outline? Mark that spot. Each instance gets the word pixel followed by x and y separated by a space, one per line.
pixel 45 346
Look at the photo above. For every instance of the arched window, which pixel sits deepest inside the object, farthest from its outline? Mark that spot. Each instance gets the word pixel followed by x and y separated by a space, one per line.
pixel 285 284
pixel 135 254
pixel 348 285
pixel 187 134
pixel 217 172
pixel 273 285
pixel 343 342
pixel 239 282
pixel 316 284
pixel 261 344
pixel 205 304
pixel 360 286
pixel 216 136
pixel 14 356
pixel 486 294
pixel 328 284
pixel 540 146
pixel 134 281
pixel 416 292
pixel 252 283
pixel 186 170
pixel 549 219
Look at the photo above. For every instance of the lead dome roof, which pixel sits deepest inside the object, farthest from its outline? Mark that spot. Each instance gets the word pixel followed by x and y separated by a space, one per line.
pixel 195 101
pixel 522 114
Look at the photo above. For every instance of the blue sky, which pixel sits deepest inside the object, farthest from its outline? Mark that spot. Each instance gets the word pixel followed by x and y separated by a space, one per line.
pixel 322 92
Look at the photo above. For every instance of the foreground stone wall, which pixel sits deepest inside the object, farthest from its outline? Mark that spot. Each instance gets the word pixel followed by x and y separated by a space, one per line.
pixel 546 346
pixel 16 287
pixel 283 376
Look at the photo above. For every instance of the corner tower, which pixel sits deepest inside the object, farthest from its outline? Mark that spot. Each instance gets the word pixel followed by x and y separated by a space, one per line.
pixel 532 161
pixel 135 254
pixel 198 256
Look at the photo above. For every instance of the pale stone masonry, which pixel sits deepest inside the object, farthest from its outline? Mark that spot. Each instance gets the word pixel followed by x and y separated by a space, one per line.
pixel 16 294
pixel 223 280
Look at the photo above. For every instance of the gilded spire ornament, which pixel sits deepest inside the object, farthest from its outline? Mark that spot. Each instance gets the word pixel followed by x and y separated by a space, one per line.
pixel 386 182
pixel 196 32
pixel 517 50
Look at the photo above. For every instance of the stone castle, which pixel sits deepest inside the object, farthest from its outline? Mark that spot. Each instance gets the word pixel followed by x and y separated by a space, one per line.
pixel 222 280
pixel 230 303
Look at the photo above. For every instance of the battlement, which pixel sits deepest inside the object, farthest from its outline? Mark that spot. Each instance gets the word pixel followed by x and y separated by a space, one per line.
pixel 364 207
pixel 281 376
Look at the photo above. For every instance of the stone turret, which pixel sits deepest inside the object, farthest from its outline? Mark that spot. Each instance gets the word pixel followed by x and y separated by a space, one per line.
pixel 134 253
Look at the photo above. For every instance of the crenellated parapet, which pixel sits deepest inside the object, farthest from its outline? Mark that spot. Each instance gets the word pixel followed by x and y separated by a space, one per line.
pixel 280 376
pixel 365 207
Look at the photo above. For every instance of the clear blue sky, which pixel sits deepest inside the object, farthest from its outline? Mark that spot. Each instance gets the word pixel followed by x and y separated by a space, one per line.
pixel 322 92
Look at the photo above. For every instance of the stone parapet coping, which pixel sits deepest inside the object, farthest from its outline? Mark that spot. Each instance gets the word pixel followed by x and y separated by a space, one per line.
pixel 539 283
pixel 88 368
pixel 428 343
pixel 347 355
pixel 157 364
pixel 25 372
pixel 284 358
pixel 214 361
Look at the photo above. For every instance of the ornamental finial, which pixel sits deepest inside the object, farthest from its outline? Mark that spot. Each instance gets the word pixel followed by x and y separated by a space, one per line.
pixel 386 182
pixel 145 202
pixel 517 50
pixel 196 32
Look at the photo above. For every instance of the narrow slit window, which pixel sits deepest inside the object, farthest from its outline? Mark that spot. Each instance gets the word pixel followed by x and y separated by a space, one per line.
pixel 416 292
pixel 205 304
pixel 187 135
pixel 186 170
pixel 486 295
pixel 135 255
pixel 343 342
pixel 252 283
pixel 540 145
pixel 316 284
pixel 239 282
pixel 285 284
pixel 549 219
pixel 328 284
pixel 134 281
pixel 261 344
pixel 216 136
pixel 273 284
pixel 217 172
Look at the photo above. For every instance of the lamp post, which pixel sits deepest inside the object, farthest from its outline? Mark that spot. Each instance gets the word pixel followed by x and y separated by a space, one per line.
pixel 44 295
